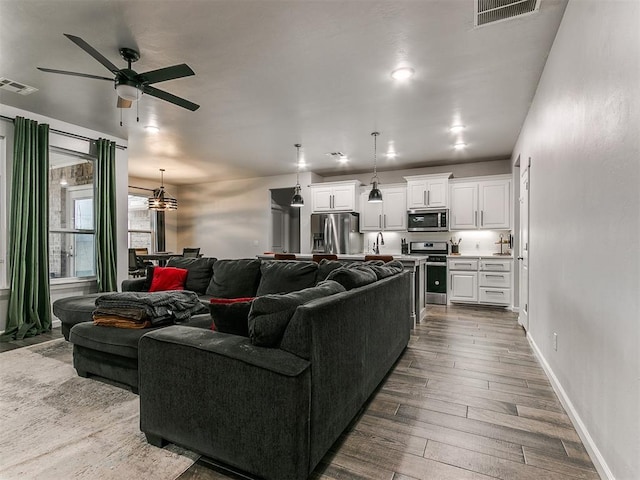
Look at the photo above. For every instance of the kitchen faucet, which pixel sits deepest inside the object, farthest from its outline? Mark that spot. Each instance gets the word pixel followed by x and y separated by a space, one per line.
pixel 379 241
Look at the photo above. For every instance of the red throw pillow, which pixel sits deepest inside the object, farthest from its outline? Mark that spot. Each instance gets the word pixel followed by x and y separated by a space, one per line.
pixel 168 278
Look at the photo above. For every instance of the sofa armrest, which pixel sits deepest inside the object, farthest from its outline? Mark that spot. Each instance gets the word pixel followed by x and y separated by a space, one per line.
pixel 133 285
pixel 233 346
pixel 218 395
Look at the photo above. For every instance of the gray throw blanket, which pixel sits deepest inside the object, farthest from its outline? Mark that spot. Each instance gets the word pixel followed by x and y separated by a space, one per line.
pixel 158 306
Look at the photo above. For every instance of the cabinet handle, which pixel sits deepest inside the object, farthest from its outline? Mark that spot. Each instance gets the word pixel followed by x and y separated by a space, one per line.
pixel 428 197
pixel 495 292
pixel 424 197
pixel 492 275
pixel 385 221
pixel 333 201
pixel 482 218
pixel 379 221
pixel 475 218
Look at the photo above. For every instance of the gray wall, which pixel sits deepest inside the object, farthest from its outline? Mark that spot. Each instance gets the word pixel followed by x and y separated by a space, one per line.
pixel 582 134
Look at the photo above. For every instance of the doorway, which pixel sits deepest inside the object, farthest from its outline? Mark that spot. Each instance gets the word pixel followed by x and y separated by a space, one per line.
pixel 285 222
pixel 523 249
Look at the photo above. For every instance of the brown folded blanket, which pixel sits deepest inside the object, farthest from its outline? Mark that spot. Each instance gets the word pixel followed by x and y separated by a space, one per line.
pixel 119 322
pixel 121 317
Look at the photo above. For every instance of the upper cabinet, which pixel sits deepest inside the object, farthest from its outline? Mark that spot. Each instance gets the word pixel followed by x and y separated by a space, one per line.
pixel 390 215
pixel 480 203
pixel 334 196
pixel 428 191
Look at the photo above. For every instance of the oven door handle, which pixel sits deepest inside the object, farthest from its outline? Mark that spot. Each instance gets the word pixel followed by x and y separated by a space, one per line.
pixel 436 264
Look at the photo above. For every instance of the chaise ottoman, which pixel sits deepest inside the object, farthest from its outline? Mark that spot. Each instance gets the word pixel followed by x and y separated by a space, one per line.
pixel 112 353
pixel 74 310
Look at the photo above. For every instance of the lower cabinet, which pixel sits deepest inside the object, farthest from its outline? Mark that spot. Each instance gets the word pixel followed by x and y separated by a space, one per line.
pixel 478 280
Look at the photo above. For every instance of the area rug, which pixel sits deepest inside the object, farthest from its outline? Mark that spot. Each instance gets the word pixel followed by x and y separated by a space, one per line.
pixel 56 425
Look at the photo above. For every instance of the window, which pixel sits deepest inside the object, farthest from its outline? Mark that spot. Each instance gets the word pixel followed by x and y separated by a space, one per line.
pixel 71 225
pixel 141 223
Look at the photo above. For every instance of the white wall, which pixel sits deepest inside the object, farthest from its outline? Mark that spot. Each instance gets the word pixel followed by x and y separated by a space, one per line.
pixel 62 289
pixel 232 219
pixel 583 136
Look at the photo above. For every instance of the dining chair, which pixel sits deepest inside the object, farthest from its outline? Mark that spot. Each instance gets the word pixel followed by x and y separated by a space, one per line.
pixel 317 257
pixel 284 256
pixel 136 266
pixel 384 258
pixel 191 252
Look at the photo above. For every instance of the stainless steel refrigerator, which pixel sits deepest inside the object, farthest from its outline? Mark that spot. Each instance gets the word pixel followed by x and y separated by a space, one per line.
pixel 336 233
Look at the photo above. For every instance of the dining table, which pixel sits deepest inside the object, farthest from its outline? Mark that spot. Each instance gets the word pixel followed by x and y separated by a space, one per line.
pixel 160 257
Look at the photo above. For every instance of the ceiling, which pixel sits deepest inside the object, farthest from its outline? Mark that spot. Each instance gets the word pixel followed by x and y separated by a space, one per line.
pixel 273 73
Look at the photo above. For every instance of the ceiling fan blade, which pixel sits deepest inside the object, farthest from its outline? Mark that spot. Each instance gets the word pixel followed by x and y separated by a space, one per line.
pixel 74 74
pixel 93 52
pixel 167 73
pixel 161 94
pixel 122 103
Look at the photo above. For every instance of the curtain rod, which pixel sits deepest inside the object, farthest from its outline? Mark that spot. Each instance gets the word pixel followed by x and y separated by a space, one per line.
pixel 141 188
pixel 65 134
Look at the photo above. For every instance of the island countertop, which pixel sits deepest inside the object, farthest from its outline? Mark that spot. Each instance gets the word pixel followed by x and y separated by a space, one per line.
pixel 405 259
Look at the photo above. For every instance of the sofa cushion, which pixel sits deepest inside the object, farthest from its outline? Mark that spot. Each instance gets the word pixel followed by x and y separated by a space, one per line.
pixel 284 276
pixel 388 269
pixel 235 278
pixel 325 267
pixel 270 314
pixel 231 315
pixel 200 271
pixel 353 277
pixel 168 278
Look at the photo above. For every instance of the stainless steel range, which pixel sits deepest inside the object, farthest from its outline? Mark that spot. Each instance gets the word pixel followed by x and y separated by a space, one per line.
pixel 436 272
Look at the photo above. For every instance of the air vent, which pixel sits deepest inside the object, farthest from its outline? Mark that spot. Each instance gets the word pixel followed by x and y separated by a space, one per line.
pixel 490 11
pixel 16 87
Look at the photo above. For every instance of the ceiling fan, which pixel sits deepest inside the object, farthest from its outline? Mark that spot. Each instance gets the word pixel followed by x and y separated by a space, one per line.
pixel 128 83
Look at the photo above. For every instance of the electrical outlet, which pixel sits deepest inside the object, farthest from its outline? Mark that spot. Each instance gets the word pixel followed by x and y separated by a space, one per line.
pixel 555 341
pixel 477 245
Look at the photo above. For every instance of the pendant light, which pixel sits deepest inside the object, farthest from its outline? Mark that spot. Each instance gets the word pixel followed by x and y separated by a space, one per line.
pixel 297 200
pixel 161 201
pixel 375 195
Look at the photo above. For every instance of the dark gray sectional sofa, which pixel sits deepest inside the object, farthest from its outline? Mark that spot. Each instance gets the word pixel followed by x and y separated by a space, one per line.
pixel 321 339
pixel 274 412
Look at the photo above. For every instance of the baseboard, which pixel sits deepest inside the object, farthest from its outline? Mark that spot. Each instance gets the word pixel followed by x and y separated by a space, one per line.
pixel 593 451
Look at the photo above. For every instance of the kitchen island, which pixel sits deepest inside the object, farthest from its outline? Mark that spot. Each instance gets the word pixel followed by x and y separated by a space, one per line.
pixel 414 264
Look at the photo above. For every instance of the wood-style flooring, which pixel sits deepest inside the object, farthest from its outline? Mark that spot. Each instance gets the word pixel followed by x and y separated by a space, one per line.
pixel 466 400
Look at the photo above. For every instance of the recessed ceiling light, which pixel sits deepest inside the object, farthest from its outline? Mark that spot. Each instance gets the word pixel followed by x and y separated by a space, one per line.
pixel 392 154
pixel 152 129
pixel 460 146
pixel 343 159
pixel 456 128
pixel 402 73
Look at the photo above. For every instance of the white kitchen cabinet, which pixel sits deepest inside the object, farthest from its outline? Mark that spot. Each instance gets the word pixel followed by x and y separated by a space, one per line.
pixel 334 196
pixel 428 191
pixel 480 203
pixel 390 215
pixel 480 280
pixel 464 286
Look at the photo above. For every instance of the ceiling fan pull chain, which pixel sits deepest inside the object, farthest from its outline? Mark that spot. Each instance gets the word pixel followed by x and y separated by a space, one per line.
pixel 120 117
pixel 137 106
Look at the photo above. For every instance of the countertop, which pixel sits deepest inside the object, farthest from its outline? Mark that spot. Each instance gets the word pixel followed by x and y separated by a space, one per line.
pixel 360 256
pixel 481 255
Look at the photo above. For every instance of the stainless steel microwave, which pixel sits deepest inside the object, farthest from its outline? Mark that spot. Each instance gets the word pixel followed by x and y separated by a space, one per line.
pixel 428 220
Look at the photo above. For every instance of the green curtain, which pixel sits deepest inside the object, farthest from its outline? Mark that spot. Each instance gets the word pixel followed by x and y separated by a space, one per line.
pixel 29 310
pixel 105 216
